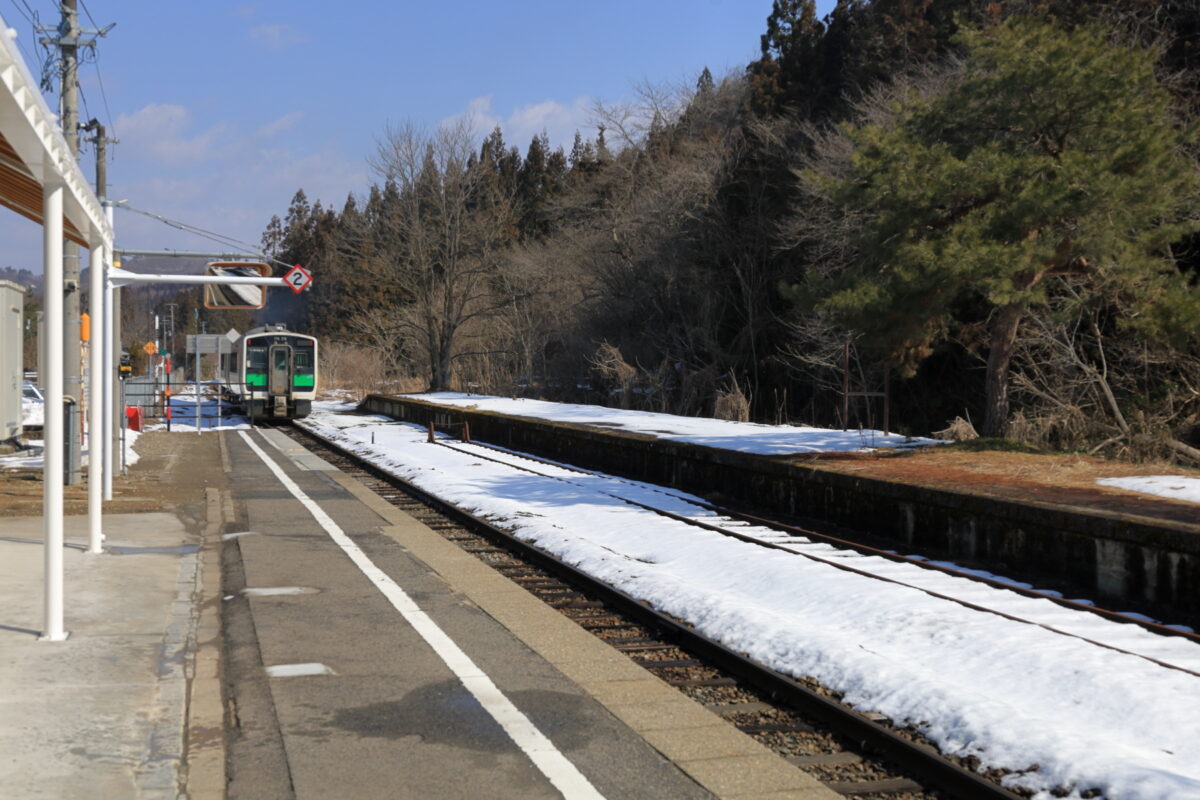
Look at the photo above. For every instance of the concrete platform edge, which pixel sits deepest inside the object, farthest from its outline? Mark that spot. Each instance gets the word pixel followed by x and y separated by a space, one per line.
pixel 204 747
pixel 625 690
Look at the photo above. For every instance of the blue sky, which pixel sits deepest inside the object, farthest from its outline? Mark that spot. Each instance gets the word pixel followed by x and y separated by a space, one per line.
pixel 224 109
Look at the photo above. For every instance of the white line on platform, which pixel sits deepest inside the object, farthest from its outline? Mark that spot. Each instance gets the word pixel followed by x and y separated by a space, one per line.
pixel 298 670
pixel 541 751
pixel 227 536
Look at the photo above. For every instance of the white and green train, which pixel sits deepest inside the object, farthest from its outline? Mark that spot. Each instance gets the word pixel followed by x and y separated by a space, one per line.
pixel 272 373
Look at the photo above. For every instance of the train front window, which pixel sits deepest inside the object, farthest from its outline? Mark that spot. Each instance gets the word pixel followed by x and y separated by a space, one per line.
pixel 303 369
pixel 281 359
pixel 256 358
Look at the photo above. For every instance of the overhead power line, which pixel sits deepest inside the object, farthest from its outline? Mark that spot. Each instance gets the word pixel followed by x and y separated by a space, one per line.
pixel 220 238
pixel 95 59
pixel 29 16
pixel 104 96
pixel 25 12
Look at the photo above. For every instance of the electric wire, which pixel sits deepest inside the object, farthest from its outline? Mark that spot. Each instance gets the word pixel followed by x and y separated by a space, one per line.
pixel 220 238
pixel 87 112
pixel 95 59
pixel 28 14
pixel 91 55
pixel 86 11
pixel 111 130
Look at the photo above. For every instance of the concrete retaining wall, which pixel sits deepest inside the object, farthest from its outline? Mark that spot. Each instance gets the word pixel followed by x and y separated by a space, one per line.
pixel 1112 555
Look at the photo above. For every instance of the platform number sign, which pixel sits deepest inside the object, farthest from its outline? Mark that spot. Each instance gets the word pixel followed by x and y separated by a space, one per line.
pixel 298 278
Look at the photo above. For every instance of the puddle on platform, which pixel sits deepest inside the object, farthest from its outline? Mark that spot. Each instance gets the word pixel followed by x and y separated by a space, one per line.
pixel 180 550
pixel 447 713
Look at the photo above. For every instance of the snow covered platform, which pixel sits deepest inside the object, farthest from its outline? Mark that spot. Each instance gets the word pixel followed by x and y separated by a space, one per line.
pixel 1151 562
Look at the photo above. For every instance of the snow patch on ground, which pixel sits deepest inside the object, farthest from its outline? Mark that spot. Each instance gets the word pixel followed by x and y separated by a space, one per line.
pixel 32 458
pixel 745 437
pixel 209 415
pixel 1176 487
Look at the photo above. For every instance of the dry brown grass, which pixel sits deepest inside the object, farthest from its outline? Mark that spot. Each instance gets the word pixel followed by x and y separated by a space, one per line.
pixel 1060 479
pixel 731 403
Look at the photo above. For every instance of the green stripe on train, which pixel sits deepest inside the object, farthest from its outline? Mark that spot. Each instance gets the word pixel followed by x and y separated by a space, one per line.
pixel 304 380
pixel 256 379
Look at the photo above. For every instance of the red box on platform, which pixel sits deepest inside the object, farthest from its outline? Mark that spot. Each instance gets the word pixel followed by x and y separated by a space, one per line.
pixel 133 418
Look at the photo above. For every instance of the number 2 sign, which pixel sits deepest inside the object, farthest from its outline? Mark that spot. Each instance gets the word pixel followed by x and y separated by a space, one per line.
pixel 297 278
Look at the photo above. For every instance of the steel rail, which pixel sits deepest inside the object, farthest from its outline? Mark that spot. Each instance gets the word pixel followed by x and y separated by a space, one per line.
pixel 919 758
pixel 1117 616
pixel 844 567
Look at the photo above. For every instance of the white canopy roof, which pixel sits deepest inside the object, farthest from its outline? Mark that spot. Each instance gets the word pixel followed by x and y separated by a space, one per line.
pixel 34 153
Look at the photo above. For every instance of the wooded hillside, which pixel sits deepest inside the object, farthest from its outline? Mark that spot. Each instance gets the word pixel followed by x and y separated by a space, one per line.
pixel 991 206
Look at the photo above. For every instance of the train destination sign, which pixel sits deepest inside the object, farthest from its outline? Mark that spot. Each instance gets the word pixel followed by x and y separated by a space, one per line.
pixel 298 278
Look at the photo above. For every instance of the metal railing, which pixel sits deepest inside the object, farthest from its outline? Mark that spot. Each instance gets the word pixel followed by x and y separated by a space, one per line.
pixel 202 405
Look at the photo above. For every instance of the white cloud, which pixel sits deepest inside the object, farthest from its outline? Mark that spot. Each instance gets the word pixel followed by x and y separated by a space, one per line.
pixel 161 131
pixel 234 195
pixel 286 122
pixel 230 177
pixel 278 36
pixel 559 121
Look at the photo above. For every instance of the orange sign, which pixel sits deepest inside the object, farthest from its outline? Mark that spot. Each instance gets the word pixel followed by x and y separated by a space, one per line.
pixel 149 348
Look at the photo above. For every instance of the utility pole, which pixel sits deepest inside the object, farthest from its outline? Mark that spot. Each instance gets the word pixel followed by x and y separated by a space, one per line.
pixel 72 359
pixel 103 442
pixel 67 37
pixel 101 141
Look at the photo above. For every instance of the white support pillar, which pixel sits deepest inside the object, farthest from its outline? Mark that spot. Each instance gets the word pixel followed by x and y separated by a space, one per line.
pixel 52 432
pixel 108 366
pixel 96 405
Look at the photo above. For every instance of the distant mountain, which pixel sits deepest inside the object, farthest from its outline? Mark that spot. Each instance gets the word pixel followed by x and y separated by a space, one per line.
pixel 21 276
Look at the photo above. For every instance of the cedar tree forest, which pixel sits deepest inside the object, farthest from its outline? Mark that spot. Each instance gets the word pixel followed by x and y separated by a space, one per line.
pixel 992 207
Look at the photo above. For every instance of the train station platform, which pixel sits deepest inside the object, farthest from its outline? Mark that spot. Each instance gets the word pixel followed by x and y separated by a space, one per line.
pixel 343 649
pixel 130 704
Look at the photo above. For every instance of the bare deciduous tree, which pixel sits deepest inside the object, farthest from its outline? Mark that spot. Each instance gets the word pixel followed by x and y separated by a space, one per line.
pixel 1085 380
pixel 445 235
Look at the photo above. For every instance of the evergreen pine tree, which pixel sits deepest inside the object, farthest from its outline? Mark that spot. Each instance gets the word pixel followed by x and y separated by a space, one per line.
pixel 531 189
pixel 1053 157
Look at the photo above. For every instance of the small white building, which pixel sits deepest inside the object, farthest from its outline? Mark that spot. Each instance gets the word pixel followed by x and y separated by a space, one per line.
pixel 12 307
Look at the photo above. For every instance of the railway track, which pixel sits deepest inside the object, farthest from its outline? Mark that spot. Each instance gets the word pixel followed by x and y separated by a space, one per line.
pixel 810 544
pixel 777 534
pixel 855 754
